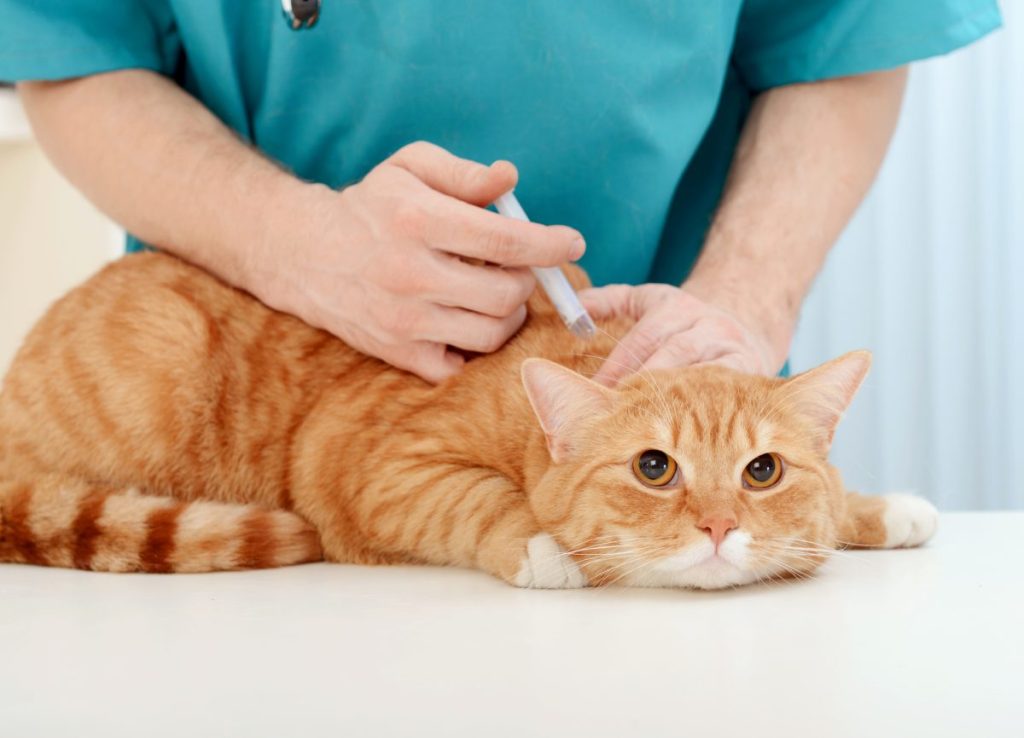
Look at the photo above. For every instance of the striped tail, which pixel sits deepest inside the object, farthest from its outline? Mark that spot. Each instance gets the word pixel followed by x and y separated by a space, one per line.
pixel 54 521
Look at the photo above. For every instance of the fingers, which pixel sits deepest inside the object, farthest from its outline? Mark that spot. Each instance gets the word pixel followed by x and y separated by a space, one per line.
pixel 470 331
pixel 452 218
pixel 623 300
pixel 430 361
pixel 628 355
pixel 653 345
pixel 427 354
pixel 703 344
pixel 673 329
pixel 489 290
pixel 465 180
pixel 646 338
pixel 481 234
pixel 441 279
pixel 682 350
pixel 737 361
pixel 387 274
pixel 690 352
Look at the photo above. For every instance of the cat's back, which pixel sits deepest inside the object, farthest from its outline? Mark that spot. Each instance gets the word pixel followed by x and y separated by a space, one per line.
pixel 151 315
pixel 154 365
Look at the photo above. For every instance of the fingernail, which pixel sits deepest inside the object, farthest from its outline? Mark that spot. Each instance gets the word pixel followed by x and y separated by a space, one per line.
pixel 578 248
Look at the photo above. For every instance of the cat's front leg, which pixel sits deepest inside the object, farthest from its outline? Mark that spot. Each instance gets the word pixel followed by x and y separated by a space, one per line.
pixel 888 521
pixel 524 556
pixel 546 565
pixel 454 515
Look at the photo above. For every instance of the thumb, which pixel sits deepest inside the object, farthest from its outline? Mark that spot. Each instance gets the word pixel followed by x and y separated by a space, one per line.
pixel 463 179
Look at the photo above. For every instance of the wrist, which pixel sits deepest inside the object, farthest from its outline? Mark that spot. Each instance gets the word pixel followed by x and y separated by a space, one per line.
pixel 288 216
pixel 771 315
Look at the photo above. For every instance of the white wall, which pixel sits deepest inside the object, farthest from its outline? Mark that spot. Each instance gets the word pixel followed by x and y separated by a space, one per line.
pixel 51 238
pixel 929 277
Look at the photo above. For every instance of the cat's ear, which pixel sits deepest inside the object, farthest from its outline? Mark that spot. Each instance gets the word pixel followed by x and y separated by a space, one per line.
pixel 562 400
pixel 821 395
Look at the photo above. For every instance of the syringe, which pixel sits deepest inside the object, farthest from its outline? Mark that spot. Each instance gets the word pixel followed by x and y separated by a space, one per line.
pixel 557 287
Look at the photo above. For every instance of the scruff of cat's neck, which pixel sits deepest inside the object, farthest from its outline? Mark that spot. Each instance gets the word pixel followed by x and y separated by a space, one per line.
pixel 509 436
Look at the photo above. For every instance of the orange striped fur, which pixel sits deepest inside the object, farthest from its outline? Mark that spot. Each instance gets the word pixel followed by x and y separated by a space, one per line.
pixel 158 420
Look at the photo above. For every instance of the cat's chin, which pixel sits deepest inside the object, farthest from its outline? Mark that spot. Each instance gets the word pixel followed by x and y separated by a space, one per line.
pixel 715 573
pixel 700 567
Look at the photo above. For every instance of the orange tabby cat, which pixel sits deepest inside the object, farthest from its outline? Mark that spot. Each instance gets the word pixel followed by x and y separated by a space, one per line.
pixel 158 420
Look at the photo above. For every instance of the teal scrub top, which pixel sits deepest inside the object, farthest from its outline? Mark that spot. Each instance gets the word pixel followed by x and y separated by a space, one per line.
pixel 622 115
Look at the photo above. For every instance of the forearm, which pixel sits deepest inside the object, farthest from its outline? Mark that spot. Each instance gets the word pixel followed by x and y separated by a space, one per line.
pixel 805 160
pixel 158 162
pixel 384 265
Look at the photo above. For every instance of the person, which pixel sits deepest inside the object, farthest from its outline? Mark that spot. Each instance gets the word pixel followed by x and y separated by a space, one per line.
pixel 709 153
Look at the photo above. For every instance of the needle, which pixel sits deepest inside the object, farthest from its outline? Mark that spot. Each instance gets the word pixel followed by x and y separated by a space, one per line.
pixel 552 279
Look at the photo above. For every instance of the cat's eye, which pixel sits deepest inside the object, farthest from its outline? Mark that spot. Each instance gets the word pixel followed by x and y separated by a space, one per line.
pixel 763 472
pixel 655 468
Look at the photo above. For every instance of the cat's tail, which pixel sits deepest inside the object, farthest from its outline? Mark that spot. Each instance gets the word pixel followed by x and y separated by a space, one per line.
pixel 54 521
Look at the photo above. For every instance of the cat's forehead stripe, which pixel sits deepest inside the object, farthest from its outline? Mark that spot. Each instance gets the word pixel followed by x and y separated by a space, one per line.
pixel 729 419
pixel 731 423
pixel 751 430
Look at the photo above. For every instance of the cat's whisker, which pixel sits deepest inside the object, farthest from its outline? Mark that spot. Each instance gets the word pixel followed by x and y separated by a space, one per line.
pixel 643 563
pixel 622 567
pixel 646 373
pixel 774 571
pixel 603 557
pixel 795 539
pixel 784 570
pixel 823 555
pixel 604 571
pixel 600 548
pixel 822 549
pixel 612 546
pixel 633 549
pixel 774 557
pixel 634 554
pixel 617 551
pixel 803 541
pixel 804 545
pixel 648 377
pixel 619 538
pixel 595 547
pixel 803 553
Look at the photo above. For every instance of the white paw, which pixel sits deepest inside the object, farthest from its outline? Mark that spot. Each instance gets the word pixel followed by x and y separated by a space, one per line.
pixel 909 520
pixel 547 566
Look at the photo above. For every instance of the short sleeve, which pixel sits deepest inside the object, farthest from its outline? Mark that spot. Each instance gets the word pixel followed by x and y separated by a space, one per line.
pixel 780 42
pixel 58 39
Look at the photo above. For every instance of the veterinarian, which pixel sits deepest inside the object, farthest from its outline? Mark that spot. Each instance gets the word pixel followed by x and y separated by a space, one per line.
pixel 720 146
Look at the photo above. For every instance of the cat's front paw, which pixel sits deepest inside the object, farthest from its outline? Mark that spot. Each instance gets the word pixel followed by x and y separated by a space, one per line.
pixel 909 520
pixel 547 566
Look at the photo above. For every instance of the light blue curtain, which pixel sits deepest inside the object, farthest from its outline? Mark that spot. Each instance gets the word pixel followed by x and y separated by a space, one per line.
pixel 930 276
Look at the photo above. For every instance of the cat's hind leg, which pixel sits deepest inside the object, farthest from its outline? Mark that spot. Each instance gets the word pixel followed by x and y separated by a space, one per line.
pixel 895 520
pixel 57 521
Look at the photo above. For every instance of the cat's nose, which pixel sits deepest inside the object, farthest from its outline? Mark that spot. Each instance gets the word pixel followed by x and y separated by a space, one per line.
pixel 717 526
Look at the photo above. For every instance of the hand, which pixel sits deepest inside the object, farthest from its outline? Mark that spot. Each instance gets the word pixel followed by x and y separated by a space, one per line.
pixel 675 328
pixel 382 264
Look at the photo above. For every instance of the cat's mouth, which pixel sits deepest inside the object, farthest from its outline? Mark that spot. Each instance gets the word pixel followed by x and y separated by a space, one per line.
pixel 701 565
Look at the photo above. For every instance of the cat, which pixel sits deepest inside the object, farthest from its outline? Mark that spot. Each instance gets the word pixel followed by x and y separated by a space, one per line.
pixel 159 420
